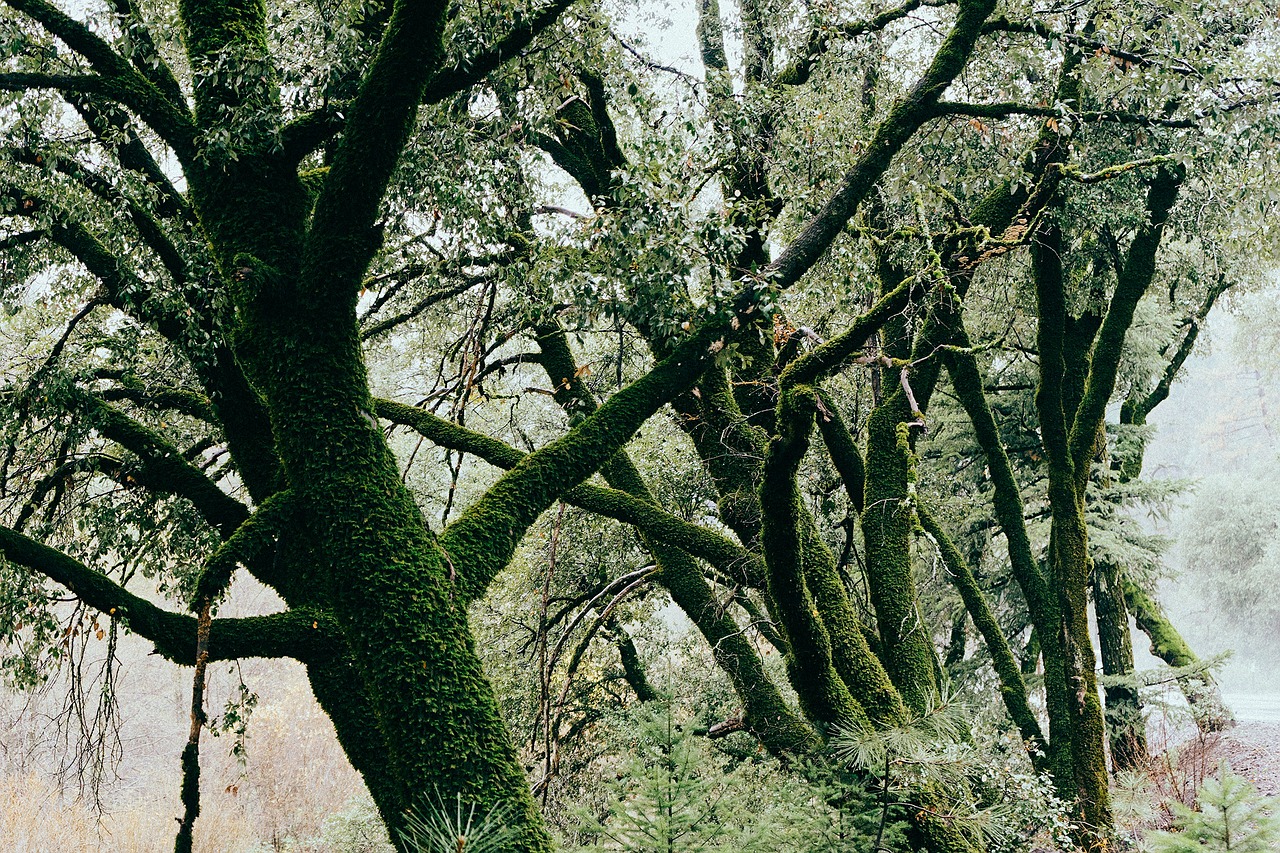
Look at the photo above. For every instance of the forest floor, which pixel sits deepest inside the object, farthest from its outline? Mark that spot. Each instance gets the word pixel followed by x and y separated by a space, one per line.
pixel 1183 758
pixel 1252 749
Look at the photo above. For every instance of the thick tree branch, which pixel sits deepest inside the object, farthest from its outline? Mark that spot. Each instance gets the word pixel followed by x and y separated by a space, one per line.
pixel 118 80
pixel 966 380
pixel 301 634
pixel 494 524
pixel 341 240
pixel 718 550
pixel 1139 270
pixel 97 184
pixel 114 130
pixel 843 450
pixel 823 694
pixel 826 359
pixel 181 400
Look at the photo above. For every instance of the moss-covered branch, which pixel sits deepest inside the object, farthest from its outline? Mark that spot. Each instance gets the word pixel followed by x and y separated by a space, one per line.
pixel 1133 281
pixel 146 56
pixel 766 713
pixel 1211 713
pixel 255 535
pixel 843 451
pixel 726 555
pixel 181 400
pixel 472 70
pixel 825 697
pixel 904 118
pixel 1013 689
pixel 114 129
pixel 341 240
pixel 117 79
pixel 966 380
pixel 148 228
pixel 491 527
pixel 303 634
pixel 1126 724
pixel 816 365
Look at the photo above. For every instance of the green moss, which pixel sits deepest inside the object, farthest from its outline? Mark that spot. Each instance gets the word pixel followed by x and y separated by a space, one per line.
pixel 1167 644
pixel 887 522
pixel 824 696
pixel 1013 688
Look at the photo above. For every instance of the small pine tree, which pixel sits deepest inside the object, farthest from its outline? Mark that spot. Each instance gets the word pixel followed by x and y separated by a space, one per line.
pixel 666 801
pixel 1232 816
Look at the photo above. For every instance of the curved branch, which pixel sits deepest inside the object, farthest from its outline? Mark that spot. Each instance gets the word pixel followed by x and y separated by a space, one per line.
pixel 718 550
pixel 250 540
pixel 302 634
pixel 1136 409
pixel 119 80
pixel 843 451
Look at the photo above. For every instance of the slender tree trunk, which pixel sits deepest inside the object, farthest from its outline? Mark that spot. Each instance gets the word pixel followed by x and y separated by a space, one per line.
pixel 1125 720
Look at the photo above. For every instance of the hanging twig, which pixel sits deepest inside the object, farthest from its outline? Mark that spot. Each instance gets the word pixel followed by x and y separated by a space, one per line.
pixel 191 754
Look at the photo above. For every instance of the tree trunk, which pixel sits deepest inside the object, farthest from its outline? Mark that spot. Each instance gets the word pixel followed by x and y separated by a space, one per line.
pixel 1202 693
pixel 1125 720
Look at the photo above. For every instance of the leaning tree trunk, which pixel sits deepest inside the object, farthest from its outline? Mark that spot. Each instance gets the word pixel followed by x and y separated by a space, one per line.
pixel 1201 691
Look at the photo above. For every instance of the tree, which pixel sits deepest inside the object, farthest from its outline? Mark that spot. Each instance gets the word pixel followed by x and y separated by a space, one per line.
pixel 233 197
pixel 1231 816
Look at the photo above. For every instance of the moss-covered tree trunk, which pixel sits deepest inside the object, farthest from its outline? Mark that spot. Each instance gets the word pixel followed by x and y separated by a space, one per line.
pixel 1201 691
pixel 410 699
pixel 1069 563
pixel 1125 721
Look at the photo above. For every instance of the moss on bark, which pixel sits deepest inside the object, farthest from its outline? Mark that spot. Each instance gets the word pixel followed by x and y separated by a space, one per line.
pixel 1013 688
